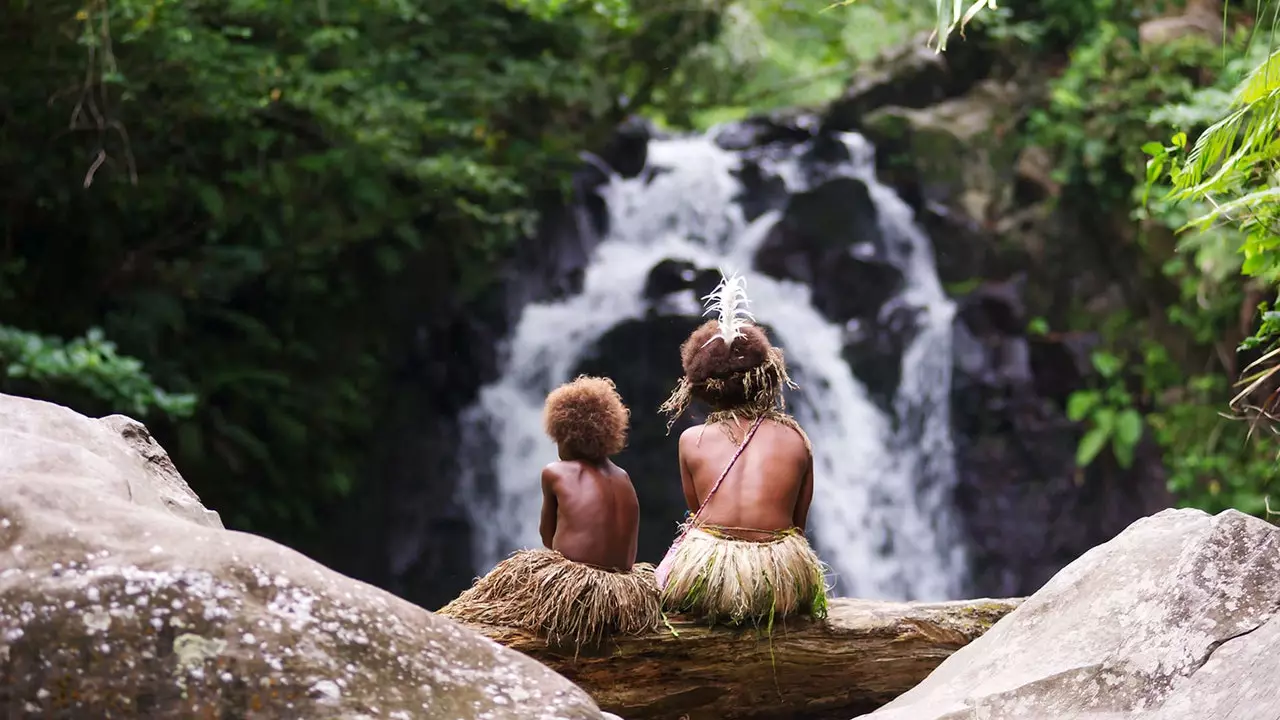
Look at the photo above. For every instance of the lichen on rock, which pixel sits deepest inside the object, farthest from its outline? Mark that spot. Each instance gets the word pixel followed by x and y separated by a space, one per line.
pixel 118 598
pixel 1174 619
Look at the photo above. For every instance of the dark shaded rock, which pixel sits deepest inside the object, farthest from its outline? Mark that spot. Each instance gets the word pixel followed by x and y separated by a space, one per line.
pixel 851 287
pixel 761 191
pixel 910 75
pixel 962 249
pixel 995 308
pixel 830 238
pixel 1026 508
pixel 826 150
pixel 873 348
pixel 765 130
pixel 672 276
pixel 1060 364
pixel 627 151
pixel 669 276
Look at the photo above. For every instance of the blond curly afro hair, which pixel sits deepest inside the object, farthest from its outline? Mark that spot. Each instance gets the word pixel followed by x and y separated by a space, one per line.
pixel 586 418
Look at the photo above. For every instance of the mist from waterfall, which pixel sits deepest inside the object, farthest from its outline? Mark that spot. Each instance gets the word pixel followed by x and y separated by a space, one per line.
pixel 881 515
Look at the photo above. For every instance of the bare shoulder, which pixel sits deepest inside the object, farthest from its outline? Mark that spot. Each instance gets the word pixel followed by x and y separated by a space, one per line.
pixel 691 435
pixel 794 436
pixel 559 470
pixel 622 477
pixel 619 472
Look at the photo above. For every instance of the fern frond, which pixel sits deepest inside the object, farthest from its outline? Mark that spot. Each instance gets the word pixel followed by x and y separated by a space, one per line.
pixel 1228 148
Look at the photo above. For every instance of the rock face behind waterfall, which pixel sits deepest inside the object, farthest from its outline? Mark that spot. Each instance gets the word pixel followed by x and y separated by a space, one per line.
pixel 121 596
pixel 946 130
pixel 1178 618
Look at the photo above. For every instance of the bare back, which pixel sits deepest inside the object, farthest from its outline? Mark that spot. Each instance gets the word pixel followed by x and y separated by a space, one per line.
pixel 769 488
pixel 590 513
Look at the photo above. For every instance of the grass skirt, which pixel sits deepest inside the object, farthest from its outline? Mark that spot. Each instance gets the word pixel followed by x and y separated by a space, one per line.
pixel 543 592
pixel 735 581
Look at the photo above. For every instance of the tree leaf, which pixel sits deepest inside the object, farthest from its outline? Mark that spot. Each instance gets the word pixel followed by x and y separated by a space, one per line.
pixel 1123 452
pixel 1081 403
pixel 1128 427
pixel 1090 445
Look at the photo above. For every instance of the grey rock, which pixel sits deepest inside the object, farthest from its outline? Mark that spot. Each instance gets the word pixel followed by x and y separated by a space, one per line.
pixel 121 597
pixel 1174 619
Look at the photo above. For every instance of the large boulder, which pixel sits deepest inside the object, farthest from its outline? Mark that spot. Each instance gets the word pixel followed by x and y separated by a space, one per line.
pixel 121 596
pixel 1174 619
pixel 911 75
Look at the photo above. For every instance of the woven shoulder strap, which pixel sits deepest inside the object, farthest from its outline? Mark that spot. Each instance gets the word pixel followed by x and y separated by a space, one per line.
pixel 750 433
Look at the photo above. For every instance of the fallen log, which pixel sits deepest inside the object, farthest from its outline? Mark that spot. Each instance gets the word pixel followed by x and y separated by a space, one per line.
pixel 866 653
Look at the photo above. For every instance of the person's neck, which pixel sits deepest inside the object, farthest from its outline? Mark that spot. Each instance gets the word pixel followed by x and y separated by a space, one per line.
pixel 596 462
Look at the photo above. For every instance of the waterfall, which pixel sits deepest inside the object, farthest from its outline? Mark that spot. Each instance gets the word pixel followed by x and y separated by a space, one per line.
pixel 881 515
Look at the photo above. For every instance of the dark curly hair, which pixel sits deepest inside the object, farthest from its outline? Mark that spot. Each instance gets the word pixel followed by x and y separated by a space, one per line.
pixel 586 418
pixel 745 378
pixel 703 361
pixel 741 380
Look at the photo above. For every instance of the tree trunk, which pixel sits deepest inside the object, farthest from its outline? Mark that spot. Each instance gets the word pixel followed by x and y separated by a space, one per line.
pixel 867 653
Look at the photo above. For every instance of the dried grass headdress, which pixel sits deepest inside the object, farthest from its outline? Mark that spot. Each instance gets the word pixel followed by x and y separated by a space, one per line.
pixel 729 363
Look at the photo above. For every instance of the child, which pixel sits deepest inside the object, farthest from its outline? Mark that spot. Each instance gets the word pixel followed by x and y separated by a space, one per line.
pixel 585 584
pixel 747 474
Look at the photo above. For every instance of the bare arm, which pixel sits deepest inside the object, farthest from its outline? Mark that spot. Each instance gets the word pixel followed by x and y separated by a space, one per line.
pixel 635 533
pixel 547 524
pixel 686 478
pixel 805 497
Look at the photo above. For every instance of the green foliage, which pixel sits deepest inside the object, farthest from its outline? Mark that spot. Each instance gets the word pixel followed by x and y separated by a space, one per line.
pixel 1232 166
pixel 773 54
pixel 1225 184
pixel 1217 465
pixel 1099 108
pixel 88 364
pixel 1109 414
pixel 951 17
pixel 263 202
pixel 1108 101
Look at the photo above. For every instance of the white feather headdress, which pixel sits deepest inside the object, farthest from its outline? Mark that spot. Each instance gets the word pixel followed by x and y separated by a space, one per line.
pixel 729 300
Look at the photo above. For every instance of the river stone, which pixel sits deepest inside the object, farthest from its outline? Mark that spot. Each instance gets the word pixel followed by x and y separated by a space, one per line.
pixel 119 599
pixel 1174 619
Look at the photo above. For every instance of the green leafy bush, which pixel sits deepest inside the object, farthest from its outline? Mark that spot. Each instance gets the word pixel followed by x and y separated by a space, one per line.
pixel 88 364
pixel 266 202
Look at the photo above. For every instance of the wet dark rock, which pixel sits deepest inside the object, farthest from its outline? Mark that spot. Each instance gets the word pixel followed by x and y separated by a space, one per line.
pixel 669 276
pixel 995 308
pixel 1060 363
pixel 850 286
pixel 874 347
pixel 830 239
pixel 672 276
pixel 758 131
pixel 627 151
pixel 962 248
pixel 761 191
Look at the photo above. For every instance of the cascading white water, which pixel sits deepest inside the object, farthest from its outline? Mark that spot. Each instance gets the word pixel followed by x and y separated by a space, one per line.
pixel 880 515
